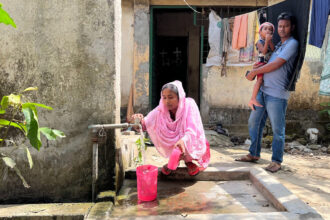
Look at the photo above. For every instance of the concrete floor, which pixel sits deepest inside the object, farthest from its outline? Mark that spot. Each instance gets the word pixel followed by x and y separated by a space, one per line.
pixel 194 197
pixel 307 177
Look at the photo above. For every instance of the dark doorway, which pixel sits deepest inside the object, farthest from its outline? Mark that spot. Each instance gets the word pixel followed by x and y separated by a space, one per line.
pixel 175 51
pixel 170 61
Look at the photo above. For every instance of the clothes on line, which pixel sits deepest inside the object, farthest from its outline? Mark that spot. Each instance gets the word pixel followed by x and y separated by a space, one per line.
pixel 319 20
pixel 219 40
pixel 215 53
pixel 247 53
pixel 225 43
pixel 240 31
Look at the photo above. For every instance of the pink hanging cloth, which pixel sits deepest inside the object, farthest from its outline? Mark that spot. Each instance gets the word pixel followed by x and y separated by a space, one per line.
pixel 240 31
pixel 164 132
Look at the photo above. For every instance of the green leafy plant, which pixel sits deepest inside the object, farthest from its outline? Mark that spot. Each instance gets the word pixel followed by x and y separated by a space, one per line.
pixel 326 111
pixel 14 107
pixel 141 147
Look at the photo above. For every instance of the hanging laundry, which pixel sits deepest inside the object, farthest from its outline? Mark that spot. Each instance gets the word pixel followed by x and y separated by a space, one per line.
pixel 232 54
pixel 325 77
pixel 222 33
pixel 226 40
pixel 247 53
pixel 214 56
pixel 225 43
pixel 319 20
pixel 240 31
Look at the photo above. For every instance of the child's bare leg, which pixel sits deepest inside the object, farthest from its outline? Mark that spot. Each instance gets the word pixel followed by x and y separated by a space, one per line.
pixel 253 101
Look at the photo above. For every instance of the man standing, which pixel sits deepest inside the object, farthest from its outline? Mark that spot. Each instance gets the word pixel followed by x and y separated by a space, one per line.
pixel 273 94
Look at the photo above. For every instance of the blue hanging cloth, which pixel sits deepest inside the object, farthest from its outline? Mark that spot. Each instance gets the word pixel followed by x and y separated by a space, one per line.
pixel 319 20
pixel 325 76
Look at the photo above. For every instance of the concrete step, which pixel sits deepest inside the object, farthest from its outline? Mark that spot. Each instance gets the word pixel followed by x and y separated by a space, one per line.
pixel 49 211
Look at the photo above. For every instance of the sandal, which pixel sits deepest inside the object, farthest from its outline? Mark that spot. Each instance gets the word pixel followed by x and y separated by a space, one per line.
pixel 273 167
pixel 166 171
pixel 248 158
pixel 193 169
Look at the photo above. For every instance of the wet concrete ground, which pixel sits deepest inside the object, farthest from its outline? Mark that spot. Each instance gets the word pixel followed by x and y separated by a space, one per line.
pixel 193 197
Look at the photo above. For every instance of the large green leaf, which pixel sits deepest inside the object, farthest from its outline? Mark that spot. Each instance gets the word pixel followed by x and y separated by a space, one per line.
pixel 4 102
pixel 28 155
pixel 21 126
pixel 29 104
pixel 9 162
pixel 32 127
pixel 5 18
pixel 2 112
pixel 51 134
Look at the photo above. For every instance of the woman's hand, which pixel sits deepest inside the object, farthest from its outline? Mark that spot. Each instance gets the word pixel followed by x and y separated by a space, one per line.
pixel 180 145
pixel 136 116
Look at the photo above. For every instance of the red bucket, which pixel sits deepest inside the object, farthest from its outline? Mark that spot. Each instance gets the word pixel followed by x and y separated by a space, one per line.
pixel 147 182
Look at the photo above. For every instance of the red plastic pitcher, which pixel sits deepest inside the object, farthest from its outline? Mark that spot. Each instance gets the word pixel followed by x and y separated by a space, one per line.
pixel 174 159
pixel 147 182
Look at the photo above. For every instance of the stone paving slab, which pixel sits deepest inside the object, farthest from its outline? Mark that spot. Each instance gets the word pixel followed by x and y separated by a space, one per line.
pixel 100 210
pixel 249 216
pixel 193 197
pixel 45 211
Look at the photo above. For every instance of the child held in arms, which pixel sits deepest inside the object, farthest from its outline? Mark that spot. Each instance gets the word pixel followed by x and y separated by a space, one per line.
pixel 265 47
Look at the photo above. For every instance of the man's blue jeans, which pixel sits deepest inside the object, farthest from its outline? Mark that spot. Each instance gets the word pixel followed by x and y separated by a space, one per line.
pixel 275 109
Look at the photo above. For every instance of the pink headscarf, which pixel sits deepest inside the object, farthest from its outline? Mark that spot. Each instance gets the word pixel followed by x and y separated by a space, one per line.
pixel 266 23
pixel 164 132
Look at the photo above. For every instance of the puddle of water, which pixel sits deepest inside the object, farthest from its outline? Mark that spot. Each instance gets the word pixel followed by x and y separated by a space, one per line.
pixel 188 197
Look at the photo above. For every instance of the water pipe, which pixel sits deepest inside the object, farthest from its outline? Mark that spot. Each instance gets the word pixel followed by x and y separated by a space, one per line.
pixel 99 131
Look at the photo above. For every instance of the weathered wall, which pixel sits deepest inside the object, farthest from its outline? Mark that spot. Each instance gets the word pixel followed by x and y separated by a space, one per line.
pixel 141 56
pixel 126 76
pixel 219 92
pixel 70 50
